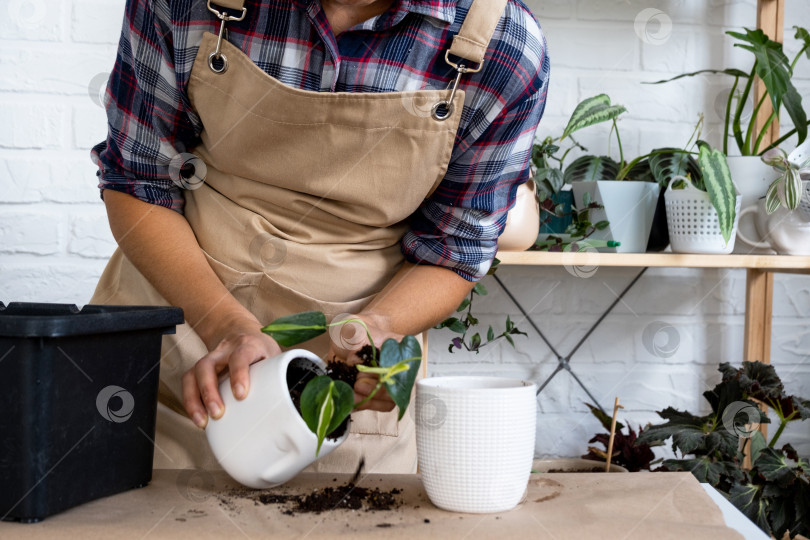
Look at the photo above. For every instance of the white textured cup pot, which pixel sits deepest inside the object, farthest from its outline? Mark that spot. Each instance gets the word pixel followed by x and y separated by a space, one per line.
pixel 262 441
pixel 475 441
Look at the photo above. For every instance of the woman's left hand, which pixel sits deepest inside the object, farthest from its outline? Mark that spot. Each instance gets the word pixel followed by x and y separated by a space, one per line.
pixel 346 340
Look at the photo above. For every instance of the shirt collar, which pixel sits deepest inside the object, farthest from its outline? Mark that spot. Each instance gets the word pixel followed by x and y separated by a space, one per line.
pixel 442 10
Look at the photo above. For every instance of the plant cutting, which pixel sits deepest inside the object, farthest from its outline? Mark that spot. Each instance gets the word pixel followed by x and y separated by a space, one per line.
pixel 775 491
pixel 325 402
pixel 786 191
pixel 773 67
pixel 463 323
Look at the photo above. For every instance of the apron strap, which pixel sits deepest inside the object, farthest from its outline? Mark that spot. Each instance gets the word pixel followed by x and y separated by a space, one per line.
pixel 230 4
pixel 472 40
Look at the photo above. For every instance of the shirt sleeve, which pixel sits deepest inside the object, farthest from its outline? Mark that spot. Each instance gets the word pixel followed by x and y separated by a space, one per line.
pixel 459 225
pixel 150 121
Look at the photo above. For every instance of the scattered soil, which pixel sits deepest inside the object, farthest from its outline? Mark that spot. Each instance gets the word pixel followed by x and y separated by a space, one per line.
pixel 347 496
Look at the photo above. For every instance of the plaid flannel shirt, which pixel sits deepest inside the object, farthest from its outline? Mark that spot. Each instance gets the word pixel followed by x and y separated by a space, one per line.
pixel 151 120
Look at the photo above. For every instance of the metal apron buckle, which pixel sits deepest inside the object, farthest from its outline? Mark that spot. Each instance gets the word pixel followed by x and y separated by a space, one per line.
pixel 217 54
pixel 461 69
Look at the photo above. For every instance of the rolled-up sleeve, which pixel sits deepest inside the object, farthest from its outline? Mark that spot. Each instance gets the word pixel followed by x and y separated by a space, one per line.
pixel 459 225
pixel 150 121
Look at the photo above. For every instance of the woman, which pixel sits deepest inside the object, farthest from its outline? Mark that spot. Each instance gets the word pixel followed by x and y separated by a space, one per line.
pixel 267 157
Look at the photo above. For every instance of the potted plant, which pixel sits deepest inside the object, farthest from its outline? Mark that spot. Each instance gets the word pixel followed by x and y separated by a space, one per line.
pixel 703 212
pixel 790 188
pixel 774 491
pixel 629 204
pixel 299 407
pixel 556 204
pixel 775 70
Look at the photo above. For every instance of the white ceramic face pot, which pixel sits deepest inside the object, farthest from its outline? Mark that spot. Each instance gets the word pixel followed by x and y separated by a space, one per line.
pixel 262 441
pixel 475 441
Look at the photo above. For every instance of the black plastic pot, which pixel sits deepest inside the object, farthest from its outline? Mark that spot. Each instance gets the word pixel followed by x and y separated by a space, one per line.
pixel 659 233
pixel 78 395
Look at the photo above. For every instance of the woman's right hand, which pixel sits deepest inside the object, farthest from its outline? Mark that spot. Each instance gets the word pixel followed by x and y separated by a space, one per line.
pixel 240 346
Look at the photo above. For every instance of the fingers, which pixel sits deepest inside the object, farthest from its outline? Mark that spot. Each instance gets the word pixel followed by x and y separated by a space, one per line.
pixel 191 400
pixel 366 384
pixel 206 376
pixel 201 396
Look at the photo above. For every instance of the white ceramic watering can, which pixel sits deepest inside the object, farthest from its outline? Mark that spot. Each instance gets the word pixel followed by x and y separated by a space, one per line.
pixel 784 231
pixel 262 441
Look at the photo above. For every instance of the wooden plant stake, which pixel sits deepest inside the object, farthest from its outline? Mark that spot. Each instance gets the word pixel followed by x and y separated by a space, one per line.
pixel 616 408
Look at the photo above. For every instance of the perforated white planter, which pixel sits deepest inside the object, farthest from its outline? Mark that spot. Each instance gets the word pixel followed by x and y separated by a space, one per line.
pixel 475 441
pixel 692 221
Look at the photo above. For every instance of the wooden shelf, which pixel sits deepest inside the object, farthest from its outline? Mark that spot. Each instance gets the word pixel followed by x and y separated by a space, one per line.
pixel 775 263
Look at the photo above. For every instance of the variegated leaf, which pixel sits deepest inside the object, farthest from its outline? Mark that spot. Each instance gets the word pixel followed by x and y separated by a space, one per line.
pixel 592 111
pixel 721 190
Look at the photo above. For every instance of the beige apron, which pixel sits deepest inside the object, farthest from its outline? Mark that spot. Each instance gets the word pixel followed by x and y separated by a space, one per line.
pixel 303 208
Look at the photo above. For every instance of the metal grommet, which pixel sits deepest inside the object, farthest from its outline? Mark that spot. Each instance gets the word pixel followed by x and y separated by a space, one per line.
pixel 434 112
pixel 218 56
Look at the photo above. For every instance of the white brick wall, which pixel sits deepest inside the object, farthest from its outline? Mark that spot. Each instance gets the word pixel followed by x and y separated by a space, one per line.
pixel 54 239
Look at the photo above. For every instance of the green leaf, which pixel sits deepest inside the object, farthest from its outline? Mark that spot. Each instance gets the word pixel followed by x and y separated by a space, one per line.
pixel 325 404
pixel 510 340
pixel 732 72
pixel 774 467
pixel 602 225
pixel 490 334
pixel 793 105
pixel 318 406
pixel 463 305
pixel 706 470
pixel 793 189
pixel 803 35
pixel 592 111
pixel 326 409
pixel 772 201
pixel 748 500
pixel 722 193
pixel 671 163
pixel 591 168
pixel 479 289
pixel 640 172
pixel 548 180
pixel 475 342
pixel 773 68
pixel 605 419
pixel 453 324
pixel 400 385
pixel 294 329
